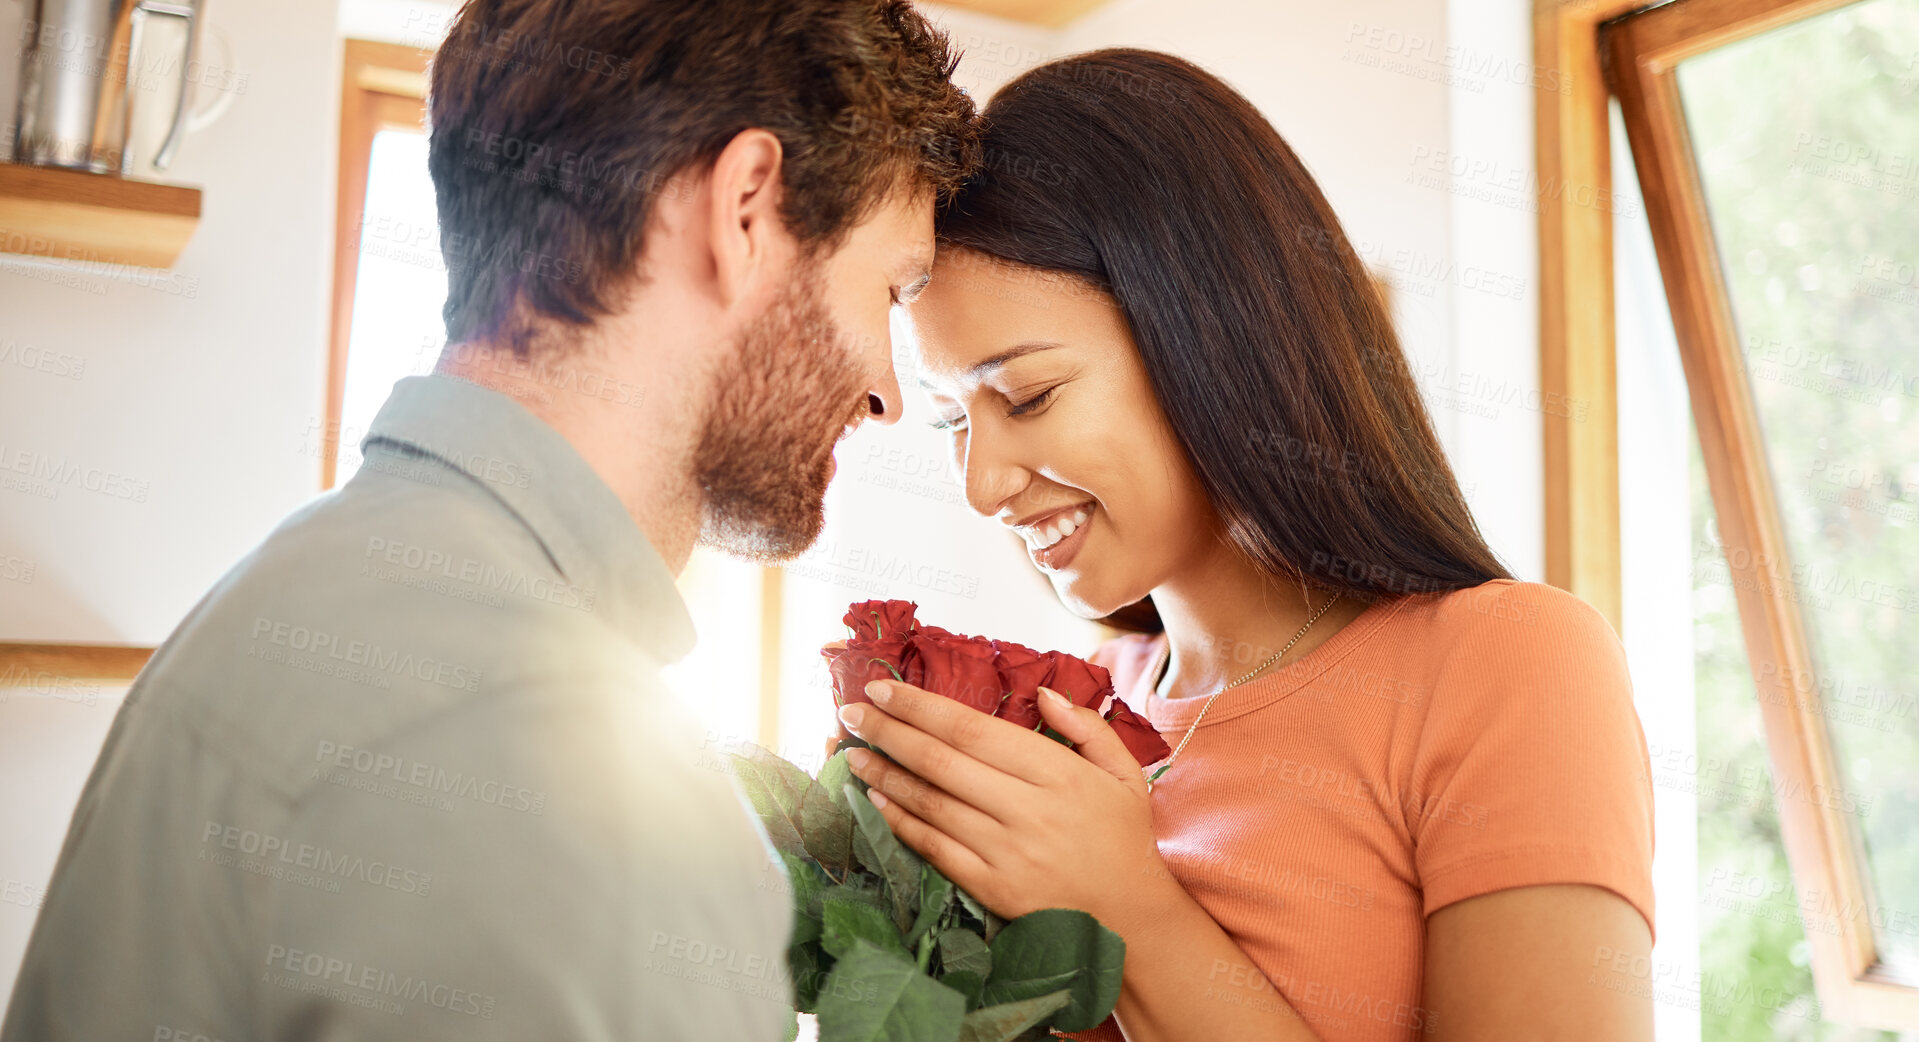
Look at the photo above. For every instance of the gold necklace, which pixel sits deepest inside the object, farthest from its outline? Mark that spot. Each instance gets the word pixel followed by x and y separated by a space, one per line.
pixel 1160 664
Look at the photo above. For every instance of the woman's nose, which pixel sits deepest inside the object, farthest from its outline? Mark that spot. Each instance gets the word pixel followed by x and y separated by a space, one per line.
pixel 988 475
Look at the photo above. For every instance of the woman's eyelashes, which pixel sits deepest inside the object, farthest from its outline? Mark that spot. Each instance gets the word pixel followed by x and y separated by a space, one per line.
pixel 1034 403
pixel 1028 407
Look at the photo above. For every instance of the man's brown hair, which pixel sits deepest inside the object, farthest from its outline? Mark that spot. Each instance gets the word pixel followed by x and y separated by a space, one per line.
pixel 556 123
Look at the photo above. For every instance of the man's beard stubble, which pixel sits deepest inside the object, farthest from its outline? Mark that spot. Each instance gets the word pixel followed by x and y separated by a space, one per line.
pixel 778 405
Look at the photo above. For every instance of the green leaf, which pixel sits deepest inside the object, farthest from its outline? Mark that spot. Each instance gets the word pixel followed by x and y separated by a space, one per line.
pixel 982 914
pixel 808 884
pixel 758 786
pixel 898 866
pixel 833 778
pixel 1005 1022
pixel 863 854
pixel 807 963
pixel 780 791
pixel 806 928
pixel 967 983
pixel 786 838
pixel 1044 951
pixel 862 888
pixel 874 995
pixel 793 1027
pixel 936 892
pixel 847 919
pixel 961 950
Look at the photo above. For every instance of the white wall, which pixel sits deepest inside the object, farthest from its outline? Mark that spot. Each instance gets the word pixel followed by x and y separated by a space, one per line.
pixel 195 389
pixel 1488 172
pixel 183 398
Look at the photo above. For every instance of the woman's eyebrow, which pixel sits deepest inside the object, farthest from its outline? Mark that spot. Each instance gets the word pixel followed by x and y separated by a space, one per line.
pixel 1016 351
pixel 985 368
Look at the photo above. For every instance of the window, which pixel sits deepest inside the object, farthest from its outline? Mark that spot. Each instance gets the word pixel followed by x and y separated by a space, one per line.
pixel 1776 144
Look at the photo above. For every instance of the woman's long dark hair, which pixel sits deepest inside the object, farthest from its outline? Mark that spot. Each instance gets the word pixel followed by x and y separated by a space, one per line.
pixel 1267 342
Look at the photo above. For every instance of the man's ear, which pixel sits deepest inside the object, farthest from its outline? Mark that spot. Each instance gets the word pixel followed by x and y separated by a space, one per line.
pixel 747 235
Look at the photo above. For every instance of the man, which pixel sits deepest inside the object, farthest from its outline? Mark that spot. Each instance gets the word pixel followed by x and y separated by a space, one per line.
pixel 407 771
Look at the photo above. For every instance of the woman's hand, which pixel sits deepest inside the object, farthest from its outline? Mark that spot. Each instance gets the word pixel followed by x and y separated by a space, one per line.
pixel 1018 820
pixel 1024 823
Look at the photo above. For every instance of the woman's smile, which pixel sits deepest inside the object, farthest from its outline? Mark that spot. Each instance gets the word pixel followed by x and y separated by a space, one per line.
pixel 1054 539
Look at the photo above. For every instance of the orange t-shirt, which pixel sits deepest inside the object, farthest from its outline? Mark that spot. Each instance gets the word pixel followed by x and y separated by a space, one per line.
pixel 1439 747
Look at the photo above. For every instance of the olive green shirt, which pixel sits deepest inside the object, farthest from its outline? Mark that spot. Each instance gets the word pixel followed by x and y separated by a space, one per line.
pixel 409 772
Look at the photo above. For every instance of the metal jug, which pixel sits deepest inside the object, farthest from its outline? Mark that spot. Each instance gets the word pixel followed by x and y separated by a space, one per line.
pixel 81 69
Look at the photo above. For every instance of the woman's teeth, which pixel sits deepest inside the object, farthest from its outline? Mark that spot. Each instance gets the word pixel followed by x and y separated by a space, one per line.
pixel 1053 531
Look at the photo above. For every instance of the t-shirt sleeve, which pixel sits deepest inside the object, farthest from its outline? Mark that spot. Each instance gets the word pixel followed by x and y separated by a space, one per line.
pixel 1531 766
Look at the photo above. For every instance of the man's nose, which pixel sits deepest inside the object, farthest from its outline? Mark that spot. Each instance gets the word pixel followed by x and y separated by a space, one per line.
pixel 883 399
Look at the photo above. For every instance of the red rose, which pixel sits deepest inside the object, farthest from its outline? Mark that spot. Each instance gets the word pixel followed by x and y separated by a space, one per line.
pixel 961 668
pixel 1022 671
pixel 1141 738
pixel 881 620
pixel 1083 683
pixel 861 661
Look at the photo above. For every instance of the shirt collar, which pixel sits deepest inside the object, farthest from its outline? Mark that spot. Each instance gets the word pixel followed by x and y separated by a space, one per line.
pixel 538 475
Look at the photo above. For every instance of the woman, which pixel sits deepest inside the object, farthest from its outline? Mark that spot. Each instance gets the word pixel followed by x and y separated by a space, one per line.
pixel 1409 796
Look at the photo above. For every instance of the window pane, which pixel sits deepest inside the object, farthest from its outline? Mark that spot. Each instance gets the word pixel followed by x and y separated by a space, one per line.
pixel 1755 982
pixel 396 328
pixel 1807 140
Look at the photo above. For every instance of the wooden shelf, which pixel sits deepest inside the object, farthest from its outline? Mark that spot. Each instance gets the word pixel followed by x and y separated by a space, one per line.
pixel 71 215
pixel 30 665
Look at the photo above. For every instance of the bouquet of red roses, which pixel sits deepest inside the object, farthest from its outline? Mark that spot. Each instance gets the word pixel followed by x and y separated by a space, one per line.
pixel 996 677
pixel 884 947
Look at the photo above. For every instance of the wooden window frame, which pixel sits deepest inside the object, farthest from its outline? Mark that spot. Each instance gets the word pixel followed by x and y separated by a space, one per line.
pixel 1606 48
pixel 1580 450
pixel 382 87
